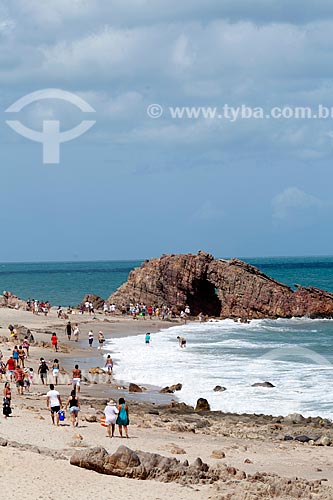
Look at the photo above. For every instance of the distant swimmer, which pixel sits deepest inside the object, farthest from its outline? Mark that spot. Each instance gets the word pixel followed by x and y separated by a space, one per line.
pixel 182 341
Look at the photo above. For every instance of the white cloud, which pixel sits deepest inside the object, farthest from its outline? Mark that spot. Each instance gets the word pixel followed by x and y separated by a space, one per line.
pixel 292 201
pixel 208 211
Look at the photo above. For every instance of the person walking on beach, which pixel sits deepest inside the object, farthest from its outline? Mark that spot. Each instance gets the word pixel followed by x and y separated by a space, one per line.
pixel 7 398
pixel 68 330
pixel 10 365
pixel 76 333
pixel 111 411
pixel 55 371
pixel 19 378
pixel 74 408
pixel 54 341
pixel 16 355
pixel 26 345
pixel 76 378
pixel 53 403
pixel 42 370
pixel 90 338
pixel 109 366
pixel 147 338
pixel 21 353
pixel 101 340
pixel 122 419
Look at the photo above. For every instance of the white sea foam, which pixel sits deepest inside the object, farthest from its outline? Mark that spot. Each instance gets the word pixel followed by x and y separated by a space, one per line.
pixel 235 355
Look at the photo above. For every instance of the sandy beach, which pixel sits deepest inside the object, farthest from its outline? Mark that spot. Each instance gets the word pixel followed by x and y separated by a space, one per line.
pixel 35 455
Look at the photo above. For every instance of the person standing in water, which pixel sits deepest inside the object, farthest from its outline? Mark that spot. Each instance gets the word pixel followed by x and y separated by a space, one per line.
pixel 147 338
pixel 109 365
pixel 181 341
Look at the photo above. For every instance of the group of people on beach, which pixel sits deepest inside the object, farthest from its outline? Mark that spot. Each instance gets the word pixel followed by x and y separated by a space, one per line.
pixel 36 306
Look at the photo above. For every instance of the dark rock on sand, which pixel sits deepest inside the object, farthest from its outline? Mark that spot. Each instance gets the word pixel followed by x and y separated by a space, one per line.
pixel 263 384
pixel 134 388
pixel 202 405
pixel 302 439
pixel 288 438
pixel 171 389
pixel 219 388
pixel 216 287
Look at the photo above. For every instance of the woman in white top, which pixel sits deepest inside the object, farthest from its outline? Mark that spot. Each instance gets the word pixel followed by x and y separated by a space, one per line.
pixel 111 412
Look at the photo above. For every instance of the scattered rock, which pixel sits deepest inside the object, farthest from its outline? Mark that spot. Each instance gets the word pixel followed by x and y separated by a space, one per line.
pixel 288 438
pixel 202 405
pixel 218 454
pixel 248 461
pixel 219 388
pixel 302 439
pixel 90 418
pixel 323 441
pixel 176 387
pixel 171 389
pixel 176 450
pixel 134 388
pixel 294 418
pixel 96 371
pixel 263 384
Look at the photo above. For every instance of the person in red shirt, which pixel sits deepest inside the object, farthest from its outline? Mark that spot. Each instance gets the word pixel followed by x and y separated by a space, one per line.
pixel 19 378
pixel 54 341
pixel 11 365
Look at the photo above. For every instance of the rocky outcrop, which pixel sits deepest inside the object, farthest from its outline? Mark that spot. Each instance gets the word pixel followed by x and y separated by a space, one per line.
pixel 96 301
pixel 202 405
pixel 220 288
pixel 8 299
pixel 125 462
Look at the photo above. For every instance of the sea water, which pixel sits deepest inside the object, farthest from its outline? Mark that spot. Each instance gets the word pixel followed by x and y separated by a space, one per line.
pixel 295 355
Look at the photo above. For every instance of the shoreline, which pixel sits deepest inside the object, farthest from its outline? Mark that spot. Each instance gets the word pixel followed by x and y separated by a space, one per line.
pixel 251 447
pixel 78 352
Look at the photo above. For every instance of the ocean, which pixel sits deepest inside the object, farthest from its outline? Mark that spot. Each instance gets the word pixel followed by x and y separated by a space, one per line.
pixel 295 355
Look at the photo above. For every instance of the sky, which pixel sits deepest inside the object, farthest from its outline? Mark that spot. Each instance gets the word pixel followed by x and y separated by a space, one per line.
pixel 135 186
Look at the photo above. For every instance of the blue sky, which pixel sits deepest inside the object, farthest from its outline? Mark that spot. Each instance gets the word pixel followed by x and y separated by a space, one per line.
pixel 136 187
